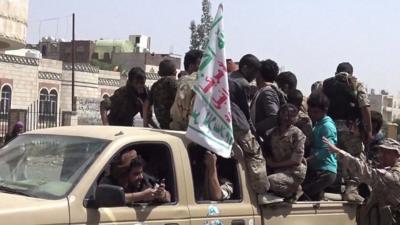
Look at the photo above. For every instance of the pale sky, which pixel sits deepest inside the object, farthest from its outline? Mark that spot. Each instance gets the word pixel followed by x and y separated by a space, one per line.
pixel 307 37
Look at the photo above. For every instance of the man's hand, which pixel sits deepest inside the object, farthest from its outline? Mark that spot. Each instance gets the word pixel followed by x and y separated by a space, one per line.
pixel 210 160
pixel 149 194
pixel 330 146
pixel 160 192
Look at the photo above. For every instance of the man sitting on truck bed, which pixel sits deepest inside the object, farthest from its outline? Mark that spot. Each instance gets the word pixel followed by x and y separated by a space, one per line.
pixel 127 172
pixel 285 154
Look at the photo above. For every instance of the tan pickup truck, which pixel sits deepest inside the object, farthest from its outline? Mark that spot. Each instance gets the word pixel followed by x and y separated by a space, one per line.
pixel 52 176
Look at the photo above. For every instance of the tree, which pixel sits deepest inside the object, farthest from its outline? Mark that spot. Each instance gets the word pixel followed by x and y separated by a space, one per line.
pixel 199 33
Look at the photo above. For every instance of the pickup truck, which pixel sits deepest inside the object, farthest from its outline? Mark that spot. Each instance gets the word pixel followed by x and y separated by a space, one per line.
pixel 51 176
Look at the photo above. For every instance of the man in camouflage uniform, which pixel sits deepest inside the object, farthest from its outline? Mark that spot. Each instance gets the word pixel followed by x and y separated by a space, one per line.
pixel 285 155
pixel 162 95
pixel 350 109
pixel 385 182
pixel 126 101
pixel 243 131
pixel 183 102
pixel 303 122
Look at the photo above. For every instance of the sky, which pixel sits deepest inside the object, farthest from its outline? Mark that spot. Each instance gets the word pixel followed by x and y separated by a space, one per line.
pixel 307 37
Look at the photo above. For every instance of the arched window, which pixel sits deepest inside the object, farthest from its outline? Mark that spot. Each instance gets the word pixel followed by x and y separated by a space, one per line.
pixel 5 101
pixel 53 104
pixel 43 102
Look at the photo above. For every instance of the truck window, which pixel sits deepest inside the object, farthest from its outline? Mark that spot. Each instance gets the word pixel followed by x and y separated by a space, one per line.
pixel 227 173
pixel 156 170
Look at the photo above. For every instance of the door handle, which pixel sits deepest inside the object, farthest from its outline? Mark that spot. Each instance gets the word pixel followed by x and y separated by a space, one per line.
pixel 237 222
pixel 171 224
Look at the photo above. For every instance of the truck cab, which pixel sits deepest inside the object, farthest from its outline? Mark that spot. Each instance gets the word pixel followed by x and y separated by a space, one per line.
pixel 52 176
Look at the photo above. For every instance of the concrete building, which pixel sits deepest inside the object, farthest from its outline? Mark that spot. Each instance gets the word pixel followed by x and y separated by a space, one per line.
pixel 388 105
pixel 13 24
pixel 41 90
pixel 84 50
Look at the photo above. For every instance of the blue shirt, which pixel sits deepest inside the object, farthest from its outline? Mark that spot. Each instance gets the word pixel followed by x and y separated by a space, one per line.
pixel 323 160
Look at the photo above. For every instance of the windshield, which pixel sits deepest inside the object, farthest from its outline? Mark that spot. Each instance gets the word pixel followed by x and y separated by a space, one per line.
pixel 46 166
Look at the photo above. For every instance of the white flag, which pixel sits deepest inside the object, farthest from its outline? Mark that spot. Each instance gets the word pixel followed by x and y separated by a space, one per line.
pixel 210 124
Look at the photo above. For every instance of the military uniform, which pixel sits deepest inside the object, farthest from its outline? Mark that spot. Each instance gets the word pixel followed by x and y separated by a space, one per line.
pixel 304 123
pixel 183 103
pixel 288 146
pixel 347 96
pixel 385 183
pixel 123 105
pixel 162 95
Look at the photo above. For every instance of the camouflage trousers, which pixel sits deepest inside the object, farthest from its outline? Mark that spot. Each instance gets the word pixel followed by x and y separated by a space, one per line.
pixel 351 143
pixel 254 160
pixel 284 183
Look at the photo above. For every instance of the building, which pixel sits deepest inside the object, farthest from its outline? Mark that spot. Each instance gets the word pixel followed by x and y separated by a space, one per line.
pixel 13 24
pixel 84 50
pixel 388 105
pixel 41 91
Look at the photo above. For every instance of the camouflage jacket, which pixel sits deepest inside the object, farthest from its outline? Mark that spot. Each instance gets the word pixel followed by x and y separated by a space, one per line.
pixel 385 183
pixel 162 95
pixel 288 146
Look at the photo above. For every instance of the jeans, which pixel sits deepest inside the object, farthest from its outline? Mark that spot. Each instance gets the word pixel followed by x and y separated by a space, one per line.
pixel 316 182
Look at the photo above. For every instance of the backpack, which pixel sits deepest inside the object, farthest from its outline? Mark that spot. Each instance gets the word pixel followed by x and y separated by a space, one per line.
pixel 343 99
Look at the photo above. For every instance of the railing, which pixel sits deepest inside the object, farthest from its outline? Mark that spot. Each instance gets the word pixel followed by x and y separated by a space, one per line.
pixel 39 117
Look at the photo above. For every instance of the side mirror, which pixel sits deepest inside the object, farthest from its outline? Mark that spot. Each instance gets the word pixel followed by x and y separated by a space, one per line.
pixel 109 196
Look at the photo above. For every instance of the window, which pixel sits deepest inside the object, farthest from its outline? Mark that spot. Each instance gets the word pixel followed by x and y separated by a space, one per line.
pixel 5 102
pixel 48 106
pixel 24 163
pixel 154 169
pixel 227 174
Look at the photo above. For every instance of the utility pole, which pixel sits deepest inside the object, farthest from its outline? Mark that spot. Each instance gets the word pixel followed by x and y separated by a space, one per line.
pixel 73 108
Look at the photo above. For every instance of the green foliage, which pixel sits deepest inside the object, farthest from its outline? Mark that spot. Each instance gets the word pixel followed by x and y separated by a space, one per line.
pixel 199 33
pixel 102 65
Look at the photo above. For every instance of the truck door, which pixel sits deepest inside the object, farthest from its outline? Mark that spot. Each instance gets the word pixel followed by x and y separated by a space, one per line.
pixel 237 210
pixel 162 162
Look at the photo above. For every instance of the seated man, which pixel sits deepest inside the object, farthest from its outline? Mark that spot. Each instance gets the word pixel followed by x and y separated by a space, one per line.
pixel 127 172
pixel 208 182
pixel 285 155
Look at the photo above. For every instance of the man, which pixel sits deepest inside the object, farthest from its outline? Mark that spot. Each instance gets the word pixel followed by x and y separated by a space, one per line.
pixel 303 122
pixel 214 186
pixel 126 102
pixel 377 138
pixel 349 108
pixel 322 165
pixel 127 172
pixel 267 100
pixel 243 131
pixel 162 95
pixel 285 155
pixel 17 130
pixel 183 102
pixel 385 182
pixel 287 82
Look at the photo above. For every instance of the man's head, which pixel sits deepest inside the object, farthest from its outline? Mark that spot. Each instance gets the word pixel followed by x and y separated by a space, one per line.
pixel 192 60
pixel 136 171
pixel 268 71
pixel 136 79
pixel 231 66
pixel 249 66
pixel 167 68
pixel 318 105
pixel 287 115
pixel 287 81
pixel 344 67
pixel 377 122
pixel 389 152
pixel 316 86
pixel 295 97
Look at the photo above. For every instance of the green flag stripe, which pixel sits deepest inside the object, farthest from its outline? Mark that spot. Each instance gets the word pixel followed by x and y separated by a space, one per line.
pixel 216 141
pixel 216 22
pixel 199 92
